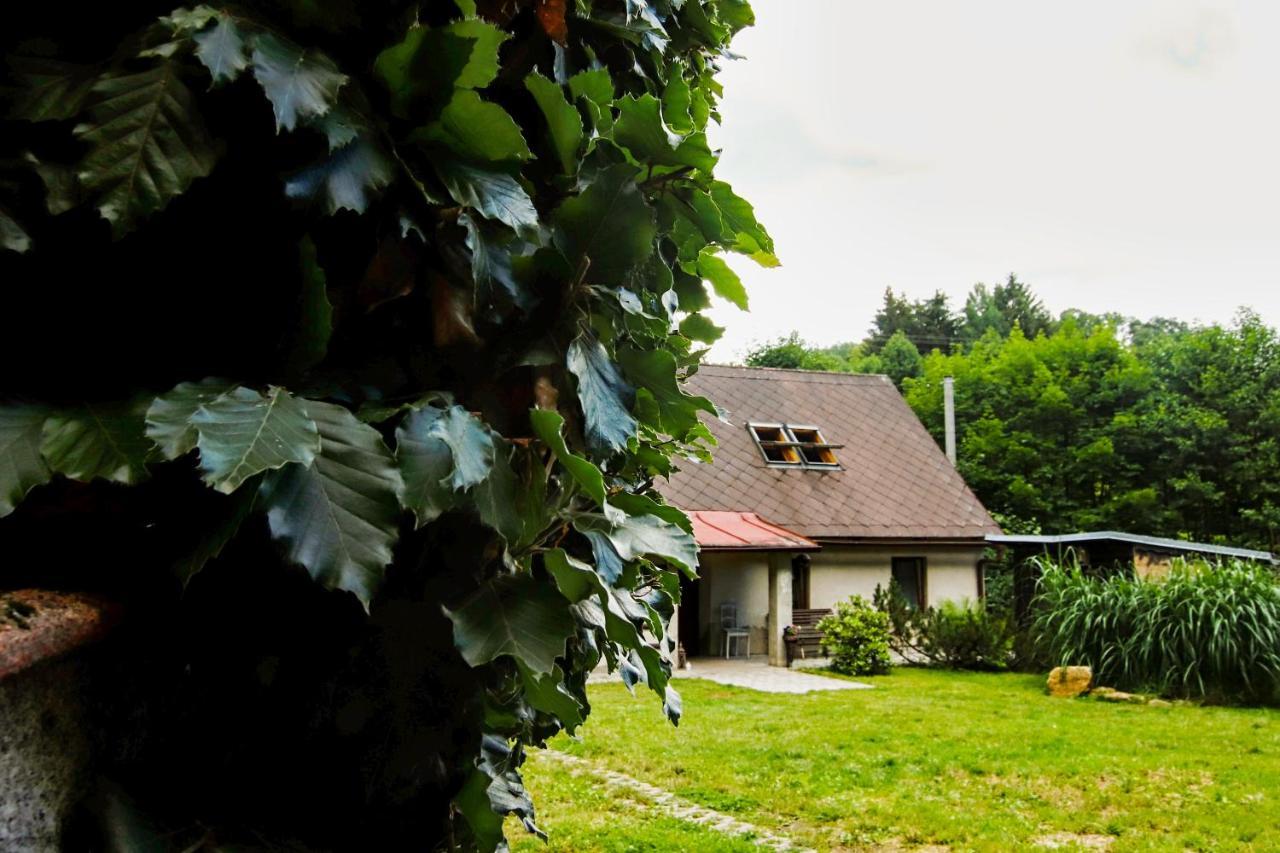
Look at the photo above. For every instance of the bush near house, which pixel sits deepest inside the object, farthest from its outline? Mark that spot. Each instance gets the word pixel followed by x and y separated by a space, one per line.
pixel 857 637
pixel 1207 630
pixel 958 635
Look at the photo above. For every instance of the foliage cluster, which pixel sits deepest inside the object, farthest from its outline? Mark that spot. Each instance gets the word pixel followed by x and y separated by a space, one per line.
pixel 856 636
pixel 956 634
pixel 365 326
pixel 1207 630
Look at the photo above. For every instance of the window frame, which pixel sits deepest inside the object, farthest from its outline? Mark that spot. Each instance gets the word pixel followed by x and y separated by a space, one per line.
pixel 922 578
pixel 790 443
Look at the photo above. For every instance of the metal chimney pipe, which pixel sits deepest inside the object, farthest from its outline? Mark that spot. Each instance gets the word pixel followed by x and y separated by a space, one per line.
pixel 949 410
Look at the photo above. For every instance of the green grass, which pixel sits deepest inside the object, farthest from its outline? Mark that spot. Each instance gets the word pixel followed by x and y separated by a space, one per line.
pixel 972 761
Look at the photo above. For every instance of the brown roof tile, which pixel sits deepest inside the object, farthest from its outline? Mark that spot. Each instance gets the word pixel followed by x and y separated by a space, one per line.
pixel 894 481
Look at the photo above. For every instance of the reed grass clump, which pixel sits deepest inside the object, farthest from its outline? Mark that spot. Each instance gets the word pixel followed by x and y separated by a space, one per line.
pixel 1205 631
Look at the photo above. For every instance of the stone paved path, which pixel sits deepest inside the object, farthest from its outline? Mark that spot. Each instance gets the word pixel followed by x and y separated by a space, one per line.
pixel 671 805
pixel 755 674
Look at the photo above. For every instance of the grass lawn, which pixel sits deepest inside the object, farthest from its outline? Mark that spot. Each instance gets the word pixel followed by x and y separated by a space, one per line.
pixel 970 761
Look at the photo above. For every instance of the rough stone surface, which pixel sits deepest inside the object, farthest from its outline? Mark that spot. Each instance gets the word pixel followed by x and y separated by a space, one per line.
pixel 37 625
pixel 1110 694
pixel 44 754
pixel 1069 681
pixel 45 749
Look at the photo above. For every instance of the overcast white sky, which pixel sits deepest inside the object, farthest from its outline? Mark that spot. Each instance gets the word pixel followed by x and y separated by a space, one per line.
pixel 1118 156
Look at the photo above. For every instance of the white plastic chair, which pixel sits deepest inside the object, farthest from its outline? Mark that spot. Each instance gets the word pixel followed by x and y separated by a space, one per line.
pixel 730 630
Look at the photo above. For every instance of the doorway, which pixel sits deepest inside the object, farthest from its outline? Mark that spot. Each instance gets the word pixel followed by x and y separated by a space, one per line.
pixel 690 622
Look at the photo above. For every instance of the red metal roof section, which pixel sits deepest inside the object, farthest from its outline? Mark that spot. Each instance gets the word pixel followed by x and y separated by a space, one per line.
pixel 718 530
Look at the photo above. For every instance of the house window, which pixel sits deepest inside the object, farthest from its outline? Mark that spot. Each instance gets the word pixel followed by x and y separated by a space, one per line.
pixel 793 445
pixel 910 574
pixel 800 581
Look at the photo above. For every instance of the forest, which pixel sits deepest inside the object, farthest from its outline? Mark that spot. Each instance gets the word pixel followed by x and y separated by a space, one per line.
pixel 1085 421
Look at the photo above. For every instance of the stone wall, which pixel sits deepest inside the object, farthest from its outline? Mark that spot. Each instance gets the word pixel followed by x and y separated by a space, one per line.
pixel 45 726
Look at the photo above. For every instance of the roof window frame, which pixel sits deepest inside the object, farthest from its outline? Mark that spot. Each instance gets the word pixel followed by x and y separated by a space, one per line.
pixel 788 444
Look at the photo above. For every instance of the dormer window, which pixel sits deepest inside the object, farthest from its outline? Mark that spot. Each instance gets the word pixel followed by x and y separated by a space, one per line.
pixel 794 445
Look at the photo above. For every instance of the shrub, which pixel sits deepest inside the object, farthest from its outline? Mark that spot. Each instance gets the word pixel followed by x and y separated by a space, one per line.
pixel 1207 630
pixel 857 637
pixel 959 635
pixel 344 342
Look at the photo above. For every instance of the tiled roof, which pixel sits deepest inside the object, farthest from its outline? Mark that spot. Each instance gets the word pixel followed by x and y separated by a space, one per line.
pixel 894 481
pixel 720 530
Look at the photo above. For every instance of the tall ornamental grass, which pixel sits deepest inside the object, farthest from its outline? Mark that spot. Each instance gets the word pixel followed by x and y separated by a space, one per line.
pixel 1207 630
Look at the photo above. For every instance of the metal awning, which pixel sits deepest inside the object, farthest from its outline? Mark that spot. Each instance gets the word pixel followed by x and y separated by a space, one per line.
pixel 1155 543
pixel 723 530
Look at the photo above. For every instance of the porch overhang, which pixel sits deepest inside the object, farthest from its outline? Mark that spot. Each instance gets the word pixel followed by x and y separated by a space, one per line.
pixel 726 530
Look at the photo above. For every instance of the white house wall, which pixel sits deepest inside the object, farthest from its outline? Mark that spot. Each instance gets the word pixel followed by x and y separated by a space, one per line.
pixel 836 572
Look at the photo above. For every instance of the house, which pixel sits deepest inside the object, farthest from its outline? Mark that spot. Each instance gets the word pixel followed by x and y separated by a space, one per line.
pixel 824 485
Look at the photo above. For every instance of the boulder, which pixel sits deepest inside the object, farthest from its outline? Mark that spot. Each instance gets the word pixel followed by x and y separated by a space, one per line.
pixel 1069 681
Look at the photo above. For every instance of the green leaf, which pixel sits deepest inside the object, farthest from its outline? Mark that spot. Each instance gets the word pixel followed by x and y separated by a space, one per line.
pixel 22 468
pixel 314 323
pixel 634 503
pixel 12 235
pixel 605 396
pixel 563 122
pixel 442 451
pixel 723 280
pixel 608 224
pixel 594 85
pixel 491 263
pixel 498 497
pixel 513 616
pixel 301 84
pixel 49 89
pixel 147 143
pixel 698 327
pixel 546 426
pixel 432 61
pixel 339 518
pixel 655 371
pixel 243 433
pixel 169 416
pixel 61 186
pixel 476 130
pixel 676 100
pixel 222 49
pixel 609 564
pixel 426 463
pixel 494 195
pixel 217 532
pixel 345 178
pixel 97 440
pixel 739 216
pixel 641 130
pixel 575 579
pixel 648 535
pixel 548 694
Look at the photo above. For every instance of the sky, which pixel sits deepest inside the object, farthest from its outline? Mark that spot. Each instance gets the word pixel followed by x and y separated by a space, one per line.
pixel 1117 156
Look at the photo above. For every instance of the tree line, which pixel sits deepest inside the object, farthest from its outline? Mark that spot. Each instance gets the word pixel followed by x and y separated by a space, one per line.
pixel 1086 421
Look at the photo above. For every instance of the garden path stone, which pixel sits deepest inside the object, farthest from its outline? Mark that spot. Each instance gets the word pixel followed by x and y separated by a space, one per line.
pixel 673 806
pixel 754 674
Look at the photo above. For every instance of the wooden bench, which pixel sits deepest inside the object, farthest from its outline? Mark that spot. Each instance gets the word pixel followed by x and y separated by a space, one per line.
pixel 804 640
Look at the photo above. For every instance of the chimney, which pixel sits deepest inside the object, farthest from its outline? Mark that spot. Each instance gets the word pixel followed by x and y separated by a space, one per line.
pixel 949 410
